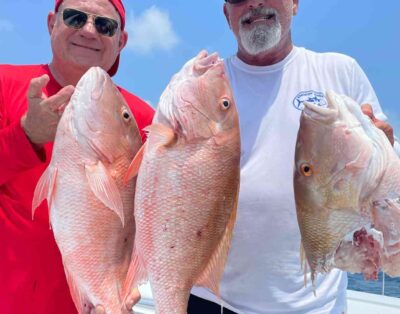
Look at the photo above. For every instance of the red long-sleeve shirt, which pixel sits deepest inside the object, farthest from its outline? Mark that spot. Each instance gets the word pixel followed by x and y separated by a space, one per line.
pixel 32 278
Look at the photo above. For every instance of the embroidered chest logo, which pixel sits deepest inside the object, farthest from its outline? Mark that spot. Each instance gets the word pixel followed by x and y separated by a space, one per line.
pixel 316 98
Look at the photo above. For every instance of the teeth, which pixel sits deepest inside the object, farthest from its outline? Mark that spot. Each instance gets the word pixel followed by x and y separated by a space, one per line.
pixel 252 19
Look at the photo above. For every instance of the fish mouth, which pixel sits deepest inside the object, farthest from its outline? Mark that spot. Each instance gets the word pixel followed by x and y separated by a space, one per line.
pixel 205 61
pixel 325 115
pixel 178 103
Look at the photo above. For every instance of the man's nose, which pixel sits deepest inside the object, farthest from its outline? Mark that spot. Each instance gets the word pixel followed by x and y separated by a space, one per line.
pixel 89 29
pixel 255 3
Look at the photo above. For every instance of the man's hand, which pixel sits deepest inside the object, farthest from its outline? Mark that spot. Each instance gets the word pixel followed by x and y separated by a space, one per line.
pixel 130 301
pixel 385 127
pixel 98 310
pixel 41 120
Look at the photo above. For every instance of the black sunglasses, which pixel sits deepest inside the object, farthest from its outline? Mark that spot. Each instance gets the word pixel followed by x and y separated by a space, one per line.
pixel 77 19
pixel 235 1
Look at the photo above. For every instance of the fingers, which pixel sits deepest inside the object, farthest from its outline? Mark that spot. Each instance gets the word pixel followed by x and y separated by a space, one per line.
pixel 36 86
pixel 368 111
pixel 59 101
pixel 382 125
pixel 99 309
pixel 386 128
pixel 132 299
pixel 41 120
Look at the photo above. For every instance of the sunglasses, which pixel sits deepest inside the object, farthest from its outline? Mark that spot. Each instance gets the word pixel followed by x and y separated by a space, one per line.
pixel 235 1
pixel 77 19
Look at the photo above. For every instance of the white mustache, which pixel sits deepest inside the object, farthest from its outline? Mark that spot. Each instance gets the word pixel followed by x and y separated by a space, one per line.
pixel 257 12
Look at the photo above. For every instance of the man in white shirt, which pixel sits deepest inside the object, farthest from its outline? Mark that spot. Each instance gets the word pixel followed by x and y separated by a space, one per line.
pixel 271 79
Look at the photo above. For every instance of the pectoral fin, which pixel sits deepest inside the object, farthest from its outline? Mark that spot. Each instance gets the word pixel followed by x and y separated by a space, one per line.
pixel 104 188
pixel 133 169
pixel 45 188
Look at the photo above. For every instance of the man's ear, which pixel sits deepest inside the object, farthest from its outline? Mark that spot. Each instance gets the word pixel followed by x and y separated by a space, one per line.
pixel 295 6
pixel 51 20
pixel 226 13
pixel 123 39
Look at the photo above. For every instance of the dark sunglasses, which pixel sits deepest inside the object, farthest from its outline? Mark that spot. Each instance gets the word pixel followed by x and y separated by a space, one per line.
pixel 77 19
pixel 235 1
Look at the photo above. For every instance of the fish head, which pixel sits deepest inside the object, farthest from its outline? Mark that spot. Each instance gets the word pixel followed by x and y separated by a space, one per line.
pixel 332 177
pixel 102 122
pixel 198 102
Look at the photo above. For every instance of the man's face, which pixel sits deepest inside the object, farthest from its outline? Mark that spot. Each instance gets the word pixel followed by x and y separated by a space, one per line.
pixel 85 47
pixel 260 25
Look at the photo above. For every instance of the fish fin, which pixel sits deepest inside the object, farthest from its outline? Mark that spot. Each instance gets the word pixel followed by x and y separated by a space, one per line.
pixel 163 134
pixel 45 189
pixel 104 188
pixel 136 275
pixel 212 275
pixel 81 302
pixel 133 169
pixel 303 262
pixel 304 266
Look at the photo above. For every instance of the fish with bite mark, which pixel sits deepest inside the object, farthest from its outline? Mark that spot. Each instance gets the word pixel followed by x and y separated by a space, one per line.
pixel 347 188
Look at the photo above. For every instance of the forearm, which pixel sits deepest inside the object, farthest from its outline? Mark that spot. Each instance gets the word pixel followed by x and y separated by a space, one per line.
pixel 17 154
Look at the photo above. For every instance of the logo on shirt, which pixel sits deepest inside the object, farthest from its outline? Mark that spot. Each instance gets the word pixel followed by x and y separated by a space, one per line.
pixel 316 98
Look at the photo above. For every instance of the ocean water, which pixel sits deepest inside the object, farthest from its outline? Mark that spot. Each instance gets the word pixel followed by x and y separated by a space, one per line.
pixel 391 285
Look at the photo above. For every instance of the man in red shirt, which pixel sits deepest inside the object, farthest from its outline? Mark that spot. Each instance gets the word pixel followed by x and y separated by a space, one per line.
pixel 32 98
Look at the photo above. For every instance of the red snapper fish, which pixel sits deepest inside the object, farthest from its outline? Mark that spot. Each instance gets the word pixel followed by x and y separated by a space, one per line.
pixel 90 208
pixel 187 186
pixel 347 188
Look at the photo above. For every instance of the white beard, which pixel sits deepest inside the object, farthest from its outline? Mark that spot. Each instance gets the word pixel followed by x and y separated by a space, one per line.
pixel 260 38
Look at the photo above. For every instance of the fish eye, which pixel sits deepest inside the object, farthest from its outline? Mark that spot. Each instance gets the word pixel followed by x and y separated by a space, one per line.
pixel 225 104
pixel 126 115
pixel 306 170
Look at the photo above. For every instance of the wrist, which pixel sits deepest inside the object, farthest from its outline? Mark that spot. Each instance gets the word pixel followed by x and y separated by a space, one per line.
pixel 37 147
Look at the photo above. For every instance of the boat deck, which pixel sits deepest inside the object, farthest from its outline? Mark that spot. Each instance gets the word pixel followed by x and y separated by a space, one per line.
pixel 357 303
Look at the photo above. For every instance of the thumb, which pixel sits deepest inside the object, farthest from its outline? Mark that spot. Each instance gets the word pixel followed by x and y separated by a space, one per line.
pixel 132 298
pixel 36 86
pixel 368 111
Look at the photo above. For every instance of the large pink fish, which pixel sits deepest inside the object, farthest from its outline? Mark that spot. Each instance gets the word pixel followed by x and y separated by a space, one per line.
pixel 91 210
pixel 347 188
pixel 187 186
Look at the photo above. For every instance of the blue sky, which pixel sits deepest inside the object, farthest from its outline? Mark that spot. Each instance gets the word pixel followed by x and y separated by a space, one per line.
pixel 165 34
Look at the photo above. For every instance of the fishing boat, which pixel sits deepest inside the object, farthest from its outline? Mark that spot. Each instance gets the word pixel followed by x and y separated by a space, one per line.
pixel 357 303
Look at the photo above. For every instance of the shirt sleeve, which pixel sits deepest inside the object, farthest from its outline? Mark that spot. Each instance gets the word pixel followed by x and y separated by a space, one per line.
pixel 16 151
pixel 364 93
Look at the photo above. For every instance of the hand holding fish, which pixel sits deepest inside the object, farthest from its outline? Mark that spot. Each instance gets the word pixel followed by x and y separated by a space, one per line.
pixel 384 126
pixel 130 301
pixel 132 298
pixel 98 310
pixel 41 120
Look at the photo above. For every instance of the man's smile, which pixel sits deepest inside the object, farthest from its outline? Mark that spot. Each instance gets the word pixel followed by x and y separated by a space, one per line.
pixel 85 47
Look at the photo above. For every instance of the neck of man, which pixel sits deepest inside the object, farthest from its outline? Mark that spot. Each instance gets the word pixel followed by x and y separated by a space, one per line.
pixel 268 57
pixel 66 76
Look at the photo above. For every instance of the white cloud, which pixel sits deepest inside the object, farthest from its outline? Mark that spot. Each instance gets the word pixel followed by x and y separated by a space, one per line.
pixel 6 26
pixel 150 31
